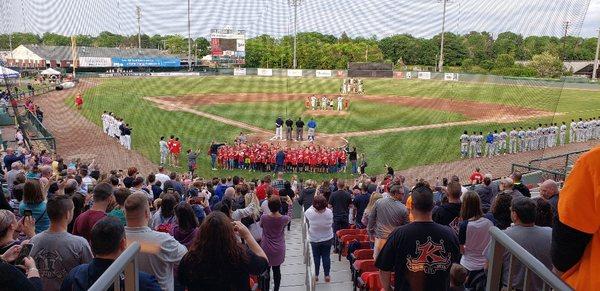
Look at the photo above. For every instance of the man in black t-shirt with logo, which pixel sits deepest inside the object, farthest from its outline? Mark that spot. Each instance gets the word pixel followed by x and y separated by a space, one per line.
pixel 420 253
pixel 449 213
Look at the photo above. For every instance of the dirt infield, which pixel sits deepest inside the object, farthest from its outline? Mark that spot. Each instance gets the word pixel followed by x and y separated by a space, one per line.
pixel 471 109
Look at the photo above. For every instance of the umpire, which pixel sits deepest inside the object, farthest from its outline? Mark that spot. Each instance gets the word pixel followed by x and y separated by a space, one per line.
pixel 288 128
pixel 299 129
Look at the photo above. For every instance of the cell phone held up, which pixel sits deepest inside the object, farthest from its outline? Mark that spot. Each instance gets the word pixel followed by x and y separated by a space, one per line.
pixel 24 253
pixel 27 212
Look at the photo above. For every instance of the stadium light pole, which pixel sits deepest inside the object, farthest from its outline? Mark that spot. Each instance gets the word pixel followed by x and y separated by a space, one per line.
pixel 138 12
pixel 295 4
pixel 441 62
pixel 595 70
pixel 189 37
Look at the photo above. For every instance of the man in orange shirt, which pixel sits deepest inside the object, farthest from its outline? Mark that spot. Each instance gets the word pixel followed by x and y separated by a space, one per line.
pixel 576 234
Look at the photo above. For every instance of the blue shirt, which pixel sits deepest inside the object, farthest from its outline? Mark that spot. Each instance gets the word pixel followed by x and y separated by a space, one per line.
pixel 38 212
pixel 490 138
pixel 84 276
pixel 220 190
pixel 312 124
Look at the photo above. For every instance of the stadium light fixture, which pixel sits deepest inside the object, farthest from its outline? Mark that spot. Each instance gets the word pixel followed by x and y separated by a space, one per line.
pixel 595 70
pixel 189 60
pixel 295 4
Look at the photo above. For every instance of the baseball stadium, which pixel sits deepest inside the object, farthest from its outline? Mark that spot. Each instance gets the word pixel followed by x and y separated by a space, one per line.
pixel 300 145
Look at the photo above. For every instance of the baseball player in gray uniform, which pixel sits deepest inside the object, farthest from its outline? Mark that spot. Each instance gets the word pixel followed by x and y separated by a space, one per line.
pixel 473 145
pixel 563 134
pixel 512 142
pixel 464 145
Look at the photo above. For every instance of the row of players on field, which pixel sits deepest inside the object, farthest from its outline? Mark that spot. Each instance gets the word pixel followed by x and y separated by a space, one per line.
pixel 267 158
pixel 314 103
pixel 115 127
pixel 521 140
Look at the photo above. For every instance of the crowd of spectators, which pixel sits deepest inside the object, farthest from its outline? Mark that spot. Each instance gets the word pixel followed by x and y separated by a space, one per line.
pixel 229 233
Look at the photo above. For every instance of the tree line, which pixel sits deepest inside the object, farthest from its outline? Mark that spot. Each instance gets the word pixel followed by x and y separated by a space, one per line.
pixel 476 52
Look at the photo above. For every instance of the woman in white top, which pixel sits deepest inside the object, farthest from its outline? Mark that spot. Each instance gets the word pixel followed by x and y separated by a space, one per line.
pixel 320 234
pixel 473 235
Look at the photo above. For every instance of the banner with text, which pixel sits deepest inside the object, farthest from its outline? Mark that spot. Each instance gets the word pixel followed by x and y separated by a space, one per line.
pixel 294 73
pixel 146 62
pixel 424 75
pixel 239 71
pixel 323 73
pixel 93 62
pixel 265 72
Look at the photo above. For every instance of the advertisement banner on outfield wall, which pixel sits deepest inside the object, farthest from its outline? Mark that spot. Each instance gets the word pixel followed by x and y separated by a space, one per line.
pixel 239 71
pixel 93 62
pixel 323 73
pixel 399 75
pixel 294 73
pixel 340 74
pixel 424 75
pixel 450 77
pixel 146 62
pixel 265 72
pixel 408 75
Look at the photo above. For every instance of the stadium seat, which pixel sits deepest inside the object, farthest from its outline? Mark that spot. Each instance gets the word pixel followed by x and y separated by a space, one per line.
pixel 369 281
pixel 346 239
pixel 361 266
pixel 360 254
pixel 347 231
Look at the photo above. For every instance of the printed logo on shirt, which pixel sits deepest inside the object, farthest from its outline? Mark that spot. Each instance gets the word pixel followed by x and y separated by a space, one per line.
pixel 431 257
pixel 50 264
pixel 455 224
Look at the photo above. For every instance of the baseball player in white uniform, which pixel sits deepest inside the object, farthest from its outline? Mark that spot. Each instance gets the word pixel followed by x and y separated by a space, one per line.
pixel 313 102
pixel 530 136
pixel 503 141
pixel 579 130
pixel 522 139
pixel 164 150
pixel 563 133
pixel 105 122
pixel 464 145
pixel 512 145
pixel 479 144
pixel 572 130
pixel 340 103
pixel 324 102
pixel 473 145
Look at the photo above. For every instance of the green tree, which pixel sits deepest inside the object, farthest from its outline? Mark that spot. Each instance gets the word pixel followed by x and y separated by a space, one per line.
pixel 400 47
pixel 479 46
pixel 504 61
pixel 547 65
pixel 19 38
pixel 202 47
pixel 454 48
pixel 177 44
pixel 84 40
pixel 108 39
pixel 55 39
pixel 509 43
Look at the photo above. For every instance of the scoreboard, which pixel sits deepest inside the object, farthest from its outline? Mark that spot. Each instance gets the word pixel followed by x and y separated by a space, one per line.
pixel 228 46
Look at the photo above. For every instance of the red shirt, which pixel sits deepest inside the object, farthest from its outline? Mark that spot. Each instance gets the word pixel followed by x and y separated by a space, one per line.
pixel 261 191
pixel 85 221
pixel 476 176
pixel 170 144
pixel 176 148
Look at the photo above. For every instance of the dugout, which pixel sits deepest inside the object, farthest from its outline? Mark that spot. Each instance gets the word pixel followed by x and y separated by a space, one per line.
pixel 376 70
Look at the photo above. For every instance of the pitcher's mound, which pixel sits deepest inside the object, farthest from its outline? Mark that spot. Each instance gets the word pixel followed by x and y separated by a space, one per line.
pixel 325 112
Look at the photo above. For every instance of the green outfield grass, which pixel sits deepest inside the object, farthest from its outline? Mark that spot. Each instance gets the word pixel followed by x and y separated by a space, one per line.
pixel 362 115
pixel 402 150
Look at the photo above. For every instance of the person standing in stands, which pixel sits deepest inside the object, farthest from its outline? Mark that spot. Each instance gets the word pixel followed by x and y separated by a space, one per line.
pixel 320 234
pixel 340 202
pixel 299 129
pixel 420 253
pixel 217 260
pixel 108 243
pixel 518 185
pixel 534 239
pixel 549 191
pixel 56 251
pixel 576 234
pixel 164 252
pixel 449 213
pixel 103 195
pixel 273 238
pixel 386 214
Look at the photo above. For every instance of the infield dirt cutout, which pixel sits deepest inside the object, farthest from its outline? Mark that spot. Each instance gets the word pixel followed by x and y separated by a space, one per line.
pixel 477 112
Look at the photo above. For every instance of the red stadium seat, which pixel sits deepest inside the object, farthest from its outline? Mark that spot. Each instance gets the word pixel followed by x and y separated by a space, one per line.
pixel 369 281
pixel 346 239
pixel 362 266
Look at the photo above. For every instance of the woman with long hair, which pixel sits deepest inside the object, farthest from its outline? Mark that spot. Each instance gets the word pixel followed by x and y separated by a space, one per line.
pixel 306 196
pixel 187 224
pixel 500 211
pixel 473 234
pixel 273 238
pixel 217 260
pixel 374 197
pixel 164 218
pixel 320 234
pixel 287 197
pixel 543 216
pixel 34 204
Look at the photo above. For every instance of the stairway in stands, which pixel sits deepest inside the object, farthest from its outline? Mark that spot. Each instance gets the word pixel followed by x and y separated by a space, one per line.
pixel 293 270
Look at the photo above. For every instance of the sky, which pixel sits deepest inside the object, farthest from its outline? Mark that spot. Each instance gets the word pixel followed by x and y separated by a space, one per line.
pixel 365 18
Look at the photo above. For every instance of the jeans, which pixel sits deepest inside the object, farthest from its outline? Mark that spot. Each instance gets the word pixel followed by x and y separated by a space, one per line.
pixel 354 167
pixel 213 160
pixel 322 251
pixel 337 225
pixel 299 133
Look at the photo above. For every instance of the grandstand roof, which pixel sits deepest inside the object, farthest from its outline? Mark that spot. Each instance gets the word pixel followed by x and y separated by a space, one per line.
pixel 64 52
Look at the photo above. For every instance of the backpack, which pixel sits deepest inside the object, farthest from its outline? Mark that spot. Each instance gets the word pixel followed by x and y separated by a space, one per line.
pixel 166 226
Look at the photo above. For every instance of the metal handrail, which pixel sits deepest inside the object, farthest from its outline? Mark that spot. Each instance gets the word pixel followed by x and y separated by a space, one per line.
pixel 125 263
pixel 556 174
pixel 500 243
pixel 308 257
